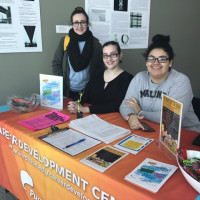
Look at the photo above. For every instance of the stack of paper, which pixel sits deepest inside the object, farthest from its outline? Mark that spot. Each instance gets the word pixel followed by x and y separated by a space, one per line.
pixel 98 128
pixel 43 121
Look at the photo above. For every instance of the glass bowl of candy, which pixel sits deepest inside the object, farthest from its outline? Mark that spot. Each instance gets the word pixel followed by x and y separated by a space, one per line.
pixel 23 104
pixel 189 164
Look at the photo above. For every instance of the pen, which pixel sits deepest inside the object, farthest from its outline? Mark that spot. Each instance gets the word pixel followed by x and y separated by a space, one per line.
pixel 79 141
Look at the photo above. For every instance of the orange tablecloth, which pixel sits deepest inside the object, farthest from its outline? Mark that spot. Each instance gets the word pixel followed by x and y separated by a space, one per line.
pixel 55 175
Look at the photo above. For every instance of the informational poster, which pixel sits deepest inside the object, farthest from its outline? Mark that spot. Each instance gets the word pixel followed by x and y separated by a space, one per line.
pixel 170 126
pixel 124 21
pixel 20 26
pixel 51 91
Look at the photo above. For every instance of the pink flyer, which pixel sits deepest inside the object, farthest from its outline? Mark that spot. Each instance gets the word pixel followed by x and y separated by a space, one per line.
pixel 43 121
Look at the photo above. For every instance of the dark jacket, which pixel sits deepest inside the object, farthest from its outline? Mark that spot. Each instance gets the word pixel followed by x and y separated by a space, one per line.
pixel 60 63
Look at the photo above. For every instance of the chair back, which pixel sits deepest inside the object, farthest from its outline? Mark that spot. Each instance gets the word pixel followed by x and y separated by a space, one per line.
pixel 196 106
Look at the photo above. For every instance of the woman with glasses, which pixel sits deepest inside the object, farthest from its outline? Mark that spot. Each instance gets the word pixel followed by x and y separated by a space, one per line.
pixel 78 56
pixel 144 95
pixel 106 90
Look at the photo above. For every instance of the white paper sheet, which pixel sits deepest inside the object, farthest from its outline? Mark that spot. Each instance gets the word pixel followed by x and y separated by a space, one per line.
pixel 67 137
pixel 97 128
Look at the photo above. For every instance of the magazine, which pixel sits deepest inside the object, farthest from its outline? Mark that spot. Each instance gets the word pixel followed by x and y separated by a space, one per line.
pixel 151 174
pixel 133 144
pixel 104 158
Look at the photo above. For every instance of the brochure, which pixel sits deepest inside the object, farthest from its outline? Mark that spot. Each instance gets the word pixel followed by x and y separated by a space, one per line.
pixel 99 129
pixel 151 174
pixel 70 141
pixel 51 91
pixel 104 158
pixel 170 125
pixel 43 121
pixel 133 144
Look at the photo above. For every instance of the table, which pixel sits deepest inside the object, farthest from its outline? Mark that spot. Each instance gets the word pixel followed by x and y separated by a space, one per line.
pixel 32 169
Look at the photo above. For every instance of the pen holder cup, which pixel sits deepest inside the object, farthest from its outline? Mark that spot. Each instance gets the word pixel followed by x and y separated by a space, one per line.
pixel 79 115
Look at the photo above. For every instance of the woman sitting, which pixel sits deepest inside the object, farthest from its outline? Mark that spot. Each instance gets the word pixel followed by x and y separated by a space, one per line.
pixel 144 95
pixel 106 90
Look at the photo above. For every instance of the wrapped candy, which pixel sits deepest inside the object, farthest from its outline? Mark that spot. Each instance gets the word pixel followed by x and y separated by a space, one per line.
pixel 191 166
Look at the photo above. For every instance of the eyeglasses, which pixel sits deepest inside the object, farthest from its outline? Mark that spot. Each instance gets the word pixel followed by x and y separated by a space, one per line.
pixel 112 55
pixel 82 23
pixel 161 59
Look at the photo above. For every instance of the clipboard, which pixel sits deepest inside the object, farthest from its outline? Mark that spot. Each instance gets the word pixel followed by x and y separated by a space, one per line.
pixel 67 140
